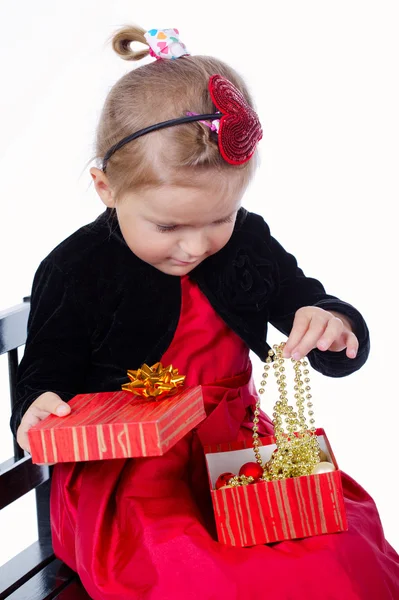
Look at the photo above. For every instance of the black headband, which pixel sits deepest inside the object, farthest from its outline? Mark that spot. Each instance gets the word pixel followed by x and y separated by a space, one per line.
pixel 133 136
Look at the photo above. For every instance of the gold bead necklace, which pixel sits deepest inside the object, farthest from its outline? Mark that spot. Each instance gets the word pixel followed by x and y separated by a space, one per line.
pixel 297 451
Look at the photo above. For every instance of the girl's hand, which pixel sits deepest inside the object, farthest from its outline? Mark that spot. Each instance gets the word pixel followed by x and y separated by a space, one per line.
pixel 46 404
pixel 314 327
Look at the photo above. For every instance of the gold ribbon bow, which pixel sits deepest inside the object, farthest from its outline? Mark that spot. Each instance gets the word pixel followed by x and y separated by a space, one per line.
pixel 154 382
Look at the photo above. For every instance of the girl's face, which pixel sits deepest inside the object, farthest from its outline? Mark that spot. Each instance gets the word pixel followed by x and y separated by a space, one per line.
pixel 175 227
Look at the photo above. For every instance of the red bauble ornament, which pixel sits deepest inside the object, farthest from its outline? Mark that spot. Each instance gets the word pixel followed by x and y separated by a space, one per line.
pixel 251 469
pixel 223 479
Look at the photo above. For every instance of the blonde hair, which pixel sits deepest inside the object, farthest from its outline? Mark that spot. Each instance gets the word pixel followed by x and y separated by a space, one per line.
pixel 156 92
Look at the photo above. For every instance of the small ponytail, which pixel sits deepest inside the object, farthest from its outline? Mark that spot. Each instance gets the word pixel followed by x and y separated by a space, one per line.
pixel 124 37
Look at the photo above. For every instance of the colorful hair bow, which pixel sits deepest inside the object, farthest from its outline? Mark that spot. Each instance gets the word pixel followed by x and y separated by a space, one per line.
pixel 165 43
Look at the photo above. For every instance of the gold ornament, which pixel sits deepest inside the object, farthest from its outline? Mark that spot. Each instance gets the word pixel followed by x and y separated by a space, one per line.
pixel 239 480
pixel 298 449
pixel 323 467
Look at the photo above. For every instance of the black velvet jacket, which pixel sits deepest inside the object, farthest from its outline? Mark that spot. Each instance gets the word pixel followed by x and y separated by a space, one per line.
pixel 97 310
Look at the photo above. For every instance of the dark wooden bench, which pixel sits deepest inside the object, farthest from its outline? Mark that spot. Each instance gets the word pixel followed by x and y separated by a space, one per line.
pixel 35 573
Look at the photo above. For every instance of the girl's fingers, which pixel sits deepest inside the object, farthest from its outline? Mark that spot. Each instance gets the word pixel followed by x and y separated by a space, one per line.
pixel 52 403
pixel 337 338
pixel 307 343
pixel 332 333
pixel 352 345
pixel 46 404
pixel 299 329
pixel 316 328
pixel 303 342
pixel 28 420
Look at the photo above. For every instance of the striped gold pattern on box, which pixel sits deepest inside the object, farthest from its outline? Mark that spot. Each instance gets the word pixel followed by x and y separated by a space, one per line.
pixel 273 511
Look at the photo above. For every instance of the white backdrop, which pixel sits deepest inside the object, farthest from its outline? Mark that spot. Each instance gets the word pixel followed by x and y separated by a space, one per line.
pixel 325 80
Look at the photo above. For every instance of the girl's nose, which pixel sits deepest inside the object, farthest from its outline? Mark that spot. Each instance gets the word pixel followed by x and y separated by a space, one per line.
pixel 195 244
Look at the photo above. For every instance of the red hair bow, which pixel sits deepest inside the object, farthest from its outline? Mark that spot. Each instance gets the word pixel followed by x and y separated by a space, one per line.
pixel 240 129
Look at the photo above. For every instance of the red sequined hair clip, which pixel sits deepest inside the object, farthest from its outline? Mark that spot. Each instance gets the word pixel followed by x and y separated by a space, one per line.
pixel 240 129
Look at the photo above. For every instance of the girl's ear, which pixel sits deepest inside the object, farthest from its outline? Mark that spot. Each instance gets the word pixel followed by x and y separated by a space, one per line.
pixel 102 186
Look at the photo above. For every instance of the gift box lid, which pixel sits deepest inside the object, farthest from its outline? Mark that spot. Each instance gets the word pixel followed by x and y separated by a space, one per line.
pixel 116 425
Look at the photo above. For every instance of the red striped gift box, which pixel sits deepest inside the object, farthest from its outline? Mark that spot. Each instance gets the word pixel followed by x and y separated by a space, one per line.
pixel 266 512
pixel 116 425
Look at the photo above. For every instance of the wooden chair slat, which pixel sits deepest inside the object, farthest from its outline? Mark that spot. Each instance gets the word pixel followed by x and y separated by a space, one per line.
pixel 19 477
pixel 20 568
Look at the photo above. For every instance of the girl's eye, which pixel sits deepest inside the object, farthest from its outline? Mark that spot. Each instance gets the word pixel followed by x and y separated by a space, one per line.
pixel 226 220
pixel 165 228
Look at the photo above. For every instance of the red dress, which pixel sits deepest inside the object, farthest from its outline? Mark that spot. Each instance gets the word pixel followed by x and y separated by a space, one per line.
pixel 143 528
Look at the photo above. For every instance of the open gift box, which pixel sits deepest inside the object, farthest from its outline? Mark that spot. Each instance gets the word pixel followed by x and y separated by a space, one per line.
pixel 272 511
pixel 109 425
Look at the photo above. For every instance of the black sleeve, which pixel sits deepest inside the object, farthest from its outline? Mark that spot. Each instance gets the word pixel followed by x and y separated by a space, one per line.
pixel 57 349
pixel 296 290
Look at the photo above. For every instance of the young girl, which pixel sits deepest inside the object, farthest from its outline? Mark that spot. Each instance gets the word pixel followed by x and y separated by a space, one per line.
pixel 175 270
